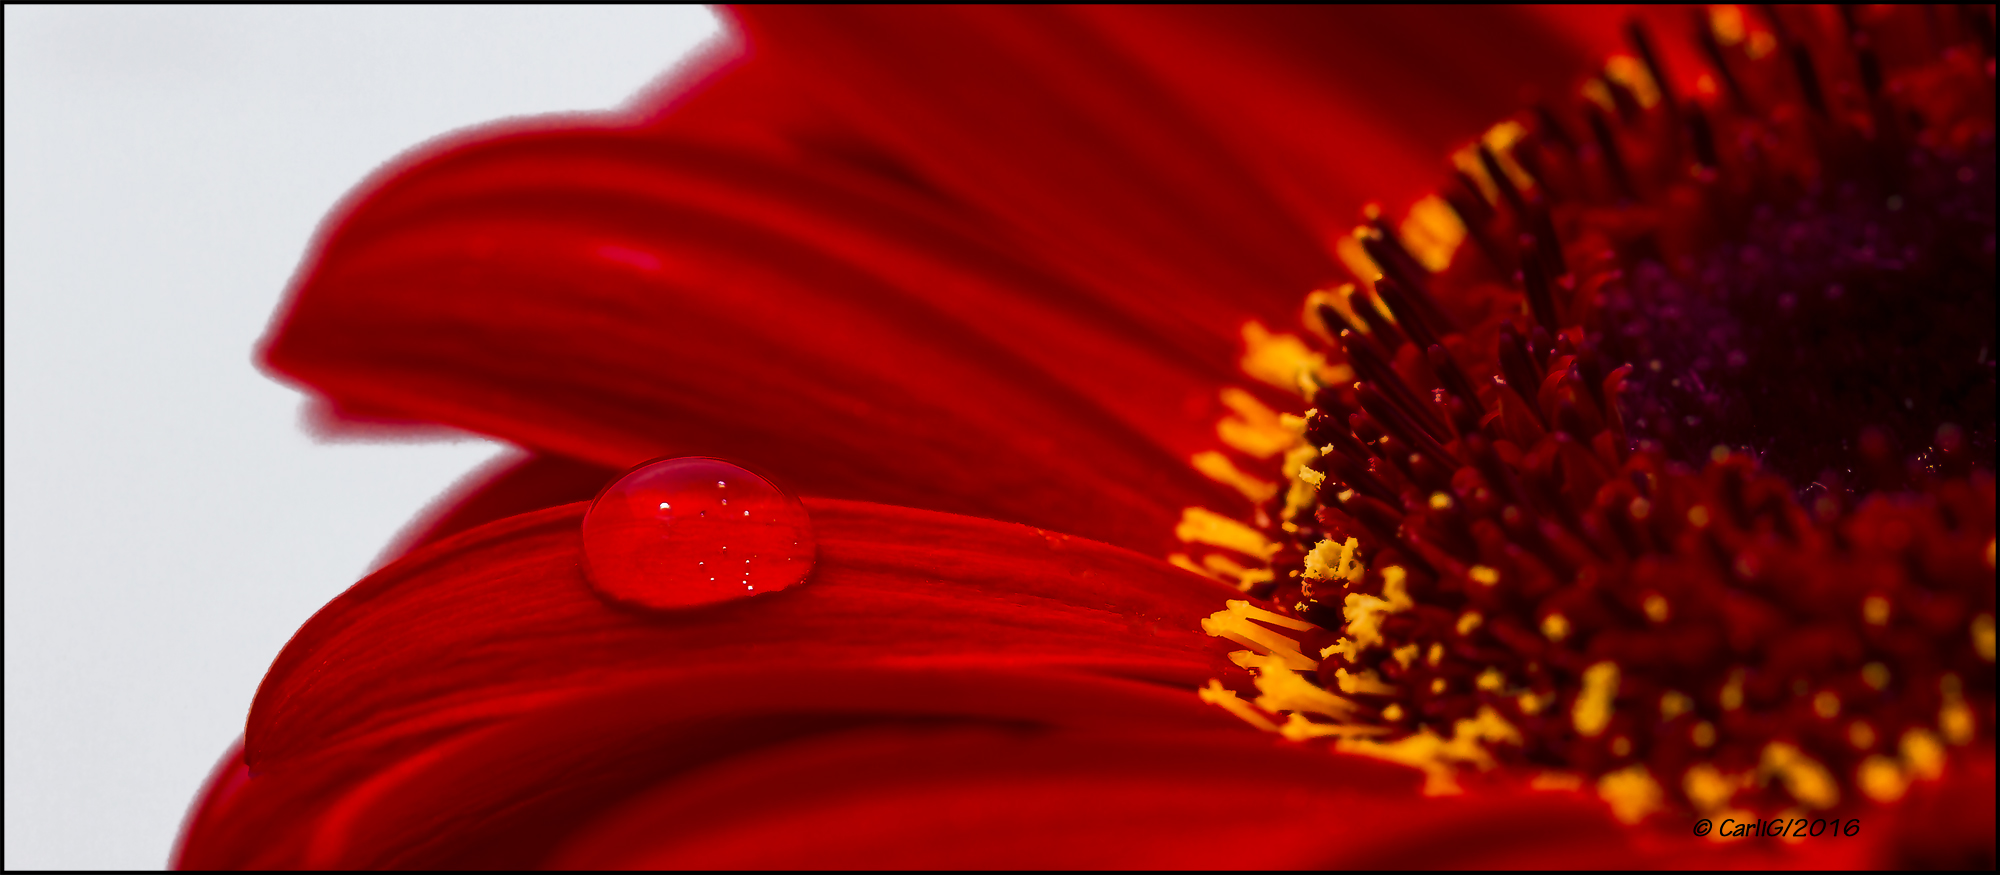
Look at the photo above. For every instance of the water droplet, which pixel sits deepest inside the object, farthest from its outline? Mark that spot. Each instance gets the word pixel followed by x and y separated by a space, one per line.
pixel 648 536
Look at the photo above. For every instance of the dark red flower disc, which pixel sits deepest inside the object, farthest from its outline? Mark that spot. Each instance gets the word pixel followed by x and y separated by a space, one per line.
pixel 678 533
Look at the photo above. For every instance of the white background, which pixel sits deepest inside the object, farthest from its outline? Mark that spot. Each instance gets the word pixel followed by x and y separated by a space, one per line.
pixel 167 523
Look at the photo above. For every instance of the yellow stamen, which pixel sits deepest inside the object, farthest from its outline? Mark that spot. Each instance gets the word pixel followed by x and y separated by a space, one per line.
pixel 1182 560
pixel 1217 694
pixel 1707 788
pixel 1432 232
pixel 1674 703
pixel 1875 675
pixel 1202 526
pixel 1881 779
pixel 1234 623
pixel 1592 712
pixel 1875 610
pixel 1732 691
pixel 1483 575
pixel 1956 722
pixel 1365 681
pixel 1226 570
pixel 1469 621
pixel 1492 680
pixel 1284 361
pixel 1365 612
pixel 1627 71
pixel 1923 754
pixel 1404 655
pixel 1217 467
pixel 1555 627
pixel 1253 428
pixel 1804 777
pixel 1656 606
pixel 1631 792
pixel 1435 756
pixel 1726 21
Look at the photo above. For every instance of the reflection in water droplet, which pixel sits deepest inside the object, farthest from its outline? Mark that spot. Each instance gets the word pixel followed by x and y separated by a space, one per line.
pixel 648 536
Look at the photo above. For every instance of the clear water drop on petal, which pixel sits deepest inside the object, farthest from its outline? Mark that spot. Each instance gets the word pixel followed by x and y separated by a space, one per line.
pixel 648 536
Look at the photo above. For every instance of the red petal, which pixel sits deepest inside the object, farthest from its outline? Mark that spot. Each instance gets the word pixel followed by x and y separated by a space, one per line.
pixel 499 621
pixel 611 295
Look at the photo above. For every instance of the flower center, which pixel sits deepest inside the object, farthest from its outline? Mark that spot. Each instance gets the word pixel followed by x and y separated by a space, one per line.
pixel 1680 483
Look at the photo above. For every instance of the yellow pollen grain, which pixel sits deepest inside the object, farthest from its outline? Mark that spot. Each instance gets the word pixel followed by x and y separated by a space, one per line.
pixel 1217 467
pixel 1284 361
pixel 1330 561
pixel 1726 22
pixel 1923 754
pixel 1226 699
pixel 1707 788
pixel 1311 477
pixel 1530 704
pixel 1640 508
pixel 1861 735
pixel 1432 232
pixel 1826 704
pixel 1731 697
pixel 1881 779
pixel 1393 713
pixel 1875 610
pixel 1982 628
pixel 1203 526
pixel 1631 792
pixel 1434 655
pixel 1492 680
pixel 1955 720
pixel 1656 607
pixel 1484 575
pixel 1555 627
pixel 1405 655
pixel 1698 516
pixel 1802 776
pixel 1621 746
pixel 1437 686
pixel 1875 675
pixel 1440 501
pixel 1674 703
pixel 1469 621
pixel 1703 735
pixel 1591 713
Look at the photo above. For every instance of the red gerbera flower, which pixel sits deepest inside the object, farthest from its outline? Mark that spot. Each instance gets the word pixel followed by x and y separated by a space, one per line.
pixel 986 285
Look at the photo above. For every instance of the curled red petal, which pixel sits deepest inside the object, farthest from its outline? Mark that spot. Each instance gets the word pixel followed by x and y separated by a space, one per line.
pixel 612 295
